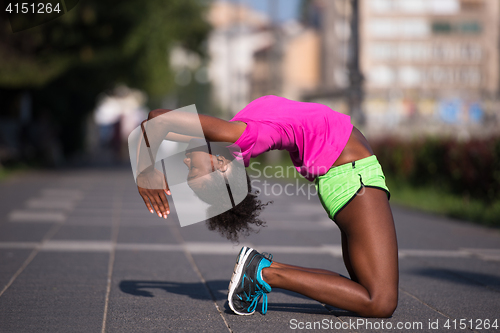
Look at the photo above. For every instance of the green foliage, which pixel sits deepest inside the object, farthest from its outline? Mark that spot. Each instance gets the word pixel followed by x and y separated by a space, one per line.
pixel 467 169
pixel 12 170
pixel 67 62
pixel 434 199
pixel 128 40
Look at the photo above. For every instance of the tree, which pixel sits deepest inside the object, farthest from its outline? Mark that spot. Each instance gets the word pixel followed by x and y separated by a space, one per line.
pixel 67 62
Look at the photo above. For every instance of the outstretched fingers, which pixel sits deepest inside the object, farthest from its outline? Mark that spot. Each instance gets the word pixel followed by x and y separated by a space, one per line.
pixel 163 198
pixel 156 201
pixel 147 203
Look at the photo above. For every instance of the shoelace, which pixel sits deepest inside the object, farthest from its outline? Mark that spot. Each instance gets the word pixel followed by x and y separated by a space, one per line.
pixel 258 295
pixel 268 256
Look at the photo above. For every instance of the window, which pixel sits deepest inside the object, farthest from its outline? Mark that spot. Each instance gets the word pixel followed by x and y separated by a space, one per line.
pixel 383 28
pixel 470 52
pixel 381 76
pixel 391 28
pixel 409 76
pixel 413 6
pixel 470 27
pixel 413 28
pixel 442 27
pixel 382 51
pixel 444 7
pixel 381 6
pixel 454 76
pixel 413 51
pixel 439 7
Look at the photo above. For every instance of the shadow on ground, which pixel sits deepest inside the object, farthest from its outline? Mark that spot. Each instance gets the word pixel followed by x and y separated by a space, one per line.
pixel 218 288
pixel 145 288
pixel 194 290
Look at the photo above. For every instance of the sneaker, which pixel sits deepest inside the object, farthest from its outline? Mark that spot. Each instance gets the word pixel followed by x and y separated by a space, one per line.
pixel 247 286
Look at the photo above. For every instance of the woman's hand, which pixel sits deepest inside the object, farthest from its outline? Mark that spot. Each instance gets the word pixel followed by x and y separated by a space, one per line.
pixel 153 188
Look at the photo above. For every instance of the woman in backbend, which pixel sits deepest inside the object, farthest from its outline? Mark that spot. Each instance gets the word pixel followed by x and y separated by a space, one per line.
pixel 325 148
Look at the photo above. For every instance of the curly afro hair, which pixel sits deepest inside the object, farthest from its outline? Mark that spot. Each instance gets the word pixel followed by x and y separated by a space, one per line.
pixel 239 219
pixel 234 221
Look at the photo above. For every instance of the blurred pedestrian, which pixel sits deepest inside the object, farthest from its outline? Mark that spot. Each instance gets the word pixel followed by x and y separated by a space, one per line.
pixel 116 115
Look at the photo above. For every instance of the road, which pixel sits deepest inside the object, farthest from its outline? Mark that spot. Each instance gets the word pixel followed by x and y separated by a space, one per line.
pixel 80 253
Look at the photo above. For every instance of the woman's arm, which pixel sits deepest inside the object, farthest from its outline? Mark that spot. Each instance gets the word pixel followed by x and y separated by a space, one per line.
pixel 151 183
pixel 186 124
pixel 181 127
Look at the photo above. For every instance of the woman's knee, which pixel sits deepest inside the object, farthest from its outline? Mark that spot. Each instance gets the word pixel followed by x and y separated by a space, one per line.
pixel 381 307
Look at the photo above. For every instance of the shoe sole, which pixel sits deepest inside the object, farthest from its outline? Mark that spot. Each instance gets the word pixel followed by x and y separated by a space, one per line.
pixel 242 251
pixel 235 278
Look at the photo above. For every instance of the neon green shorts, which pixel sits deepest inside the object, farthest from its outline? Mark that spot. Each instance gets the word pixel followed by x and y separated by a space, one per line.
pixel 341 184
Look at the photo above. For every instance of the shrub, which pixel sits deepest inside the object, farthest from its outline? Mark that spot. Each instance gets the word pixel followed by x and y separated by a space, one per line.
pixel 469 169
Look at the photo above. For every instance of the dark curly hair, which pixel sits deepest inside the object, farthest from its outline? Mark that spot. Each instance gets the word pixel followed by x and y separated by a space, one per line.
pixel 239 220
pixel 234 221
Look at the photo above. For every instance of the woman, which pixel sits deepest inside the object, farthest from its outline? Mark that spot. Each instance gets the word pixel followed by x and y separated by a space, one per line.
pixel 327 149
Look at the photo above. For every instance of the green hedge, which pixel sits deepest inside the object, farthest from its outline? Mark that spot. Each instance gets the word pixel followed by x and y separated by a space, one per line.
pixel 470 169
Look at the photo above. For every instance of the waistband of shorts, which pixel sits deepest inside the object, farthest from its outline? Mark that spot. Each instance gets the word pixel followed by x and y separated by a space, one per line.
pixel 367 161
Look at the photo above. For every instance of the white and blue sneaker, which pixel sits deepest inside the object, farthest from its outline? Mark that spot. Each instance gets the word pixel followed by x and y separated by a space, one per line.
pixel 247 286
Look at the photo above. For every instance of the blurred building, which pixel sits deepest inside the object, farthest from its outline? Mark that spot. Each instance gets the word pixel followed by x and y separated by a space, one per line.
pixel 429 59
pixel 238 33
pixel 301 61
pixel 331 19
pixel 289 67
pixel 335 35
pixel 432 46
pixel 428 65
pixel 250 56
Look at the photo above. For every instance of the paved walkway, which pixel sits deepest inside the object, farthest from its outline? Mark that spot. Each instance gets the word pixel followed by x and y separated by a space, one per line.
pixel 80 253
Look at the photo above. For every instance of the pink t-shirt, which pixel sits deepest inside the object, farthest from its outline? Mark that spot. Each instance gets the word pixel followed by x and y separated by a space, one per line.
pixel 312 133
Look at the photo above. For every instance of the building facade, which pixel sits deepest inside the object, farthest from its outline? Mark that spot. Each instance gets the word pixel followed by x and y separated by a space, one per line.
pixel 252 56
pixel 428 59
pixel 238 33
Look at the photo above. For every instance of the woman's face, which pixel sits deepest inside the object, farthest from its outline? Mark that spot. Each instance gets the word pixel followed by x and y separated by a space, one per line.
pixel 199 163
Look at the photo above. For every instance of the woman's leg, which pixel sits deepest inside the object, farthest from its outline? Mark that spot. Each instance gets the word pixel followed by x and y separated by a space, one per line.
pixel 305 269
pixel 345 256
pixel 370 240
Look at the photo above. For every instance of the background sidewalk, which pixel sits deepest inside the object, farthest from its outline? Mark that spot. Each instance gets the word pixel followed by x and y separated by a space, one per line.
pixel 79 252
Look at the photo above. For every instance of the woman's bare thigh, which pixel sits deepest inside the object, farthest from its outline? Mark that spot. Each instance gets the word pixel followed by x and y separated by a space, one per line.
pixel 370 239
